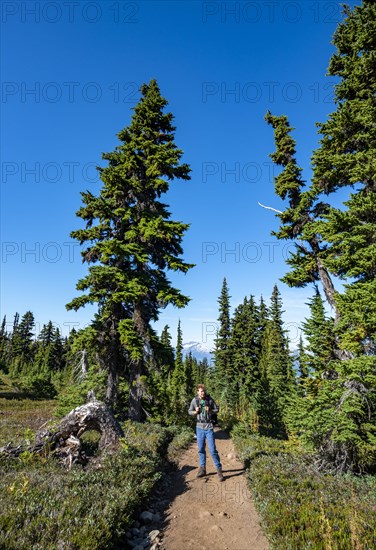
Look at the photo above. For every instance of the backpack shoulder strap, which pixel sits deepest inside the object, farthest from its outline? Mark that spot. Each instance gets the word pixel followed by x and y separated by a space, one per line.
pixel 213 403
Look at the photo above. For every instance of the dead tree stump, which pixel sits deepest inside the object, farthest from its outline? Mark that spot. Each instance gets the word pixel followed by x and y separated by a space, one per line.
pixel 64 439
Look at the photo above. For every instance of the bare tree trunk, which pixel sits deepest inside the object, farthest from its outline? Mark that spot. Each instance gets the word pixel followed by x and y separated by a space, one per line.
pixel 329 291
pixel 328 287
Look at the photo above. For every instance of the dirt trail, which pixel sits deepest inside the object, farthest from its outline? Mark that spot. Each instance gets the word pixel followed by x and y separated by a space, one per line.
pixel 205 514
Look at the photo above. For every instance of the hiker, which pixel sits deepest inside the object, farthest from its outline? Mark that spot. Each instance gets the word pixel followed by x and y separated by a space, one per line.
pixel 203 407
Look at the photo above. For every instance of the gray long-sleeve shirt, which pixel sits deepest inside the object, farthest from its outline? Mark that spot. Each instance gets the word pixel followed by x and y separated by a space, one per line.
pixel 203 420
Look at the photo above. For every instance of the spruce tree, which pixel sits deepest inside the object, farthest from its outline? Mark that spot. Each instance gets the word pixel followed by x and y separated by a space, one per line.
pixel 178 388
pixel 166 355
pixel 203 370
pixel 3 344
pixel 244 351
pixel 159 379
pixel 12 336
pixel 222 360
pixel 179 367
pixel 346 160
pixel 282 342
pixel 256 323
pixel 342 415
pixel 238 353
pixel 303 362
pixel 130 236
pixel 46 335
pixel 318 329
pixel 15 322
pixel 278 382
pixel 161 371
pixel 316 363
pixel 190 374
pixel 22 342
pixel 57 359
pixel 262 321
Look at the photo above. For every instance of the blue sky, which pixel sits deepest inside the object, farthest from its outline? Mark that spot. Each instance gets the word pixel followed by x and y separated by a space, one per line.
pixel 70 77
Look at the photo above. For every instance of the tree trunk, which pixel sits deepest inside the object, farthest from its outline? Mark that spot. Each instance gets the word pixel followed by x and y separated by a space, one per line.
pixel 136 370
pixel 115 363
pixel 328 287
pixel 112 383
pixel 135 392
pixel 329 291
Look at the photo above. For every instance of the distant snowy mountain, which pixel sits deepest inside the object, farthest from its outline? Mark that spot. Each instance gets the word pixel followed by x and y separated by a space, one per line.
pixel 198 350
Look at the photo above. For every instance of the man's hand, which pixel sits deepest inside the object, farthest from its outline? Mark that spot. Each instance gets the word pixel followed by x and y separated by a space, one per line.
pixel 207 408
pixel 197 410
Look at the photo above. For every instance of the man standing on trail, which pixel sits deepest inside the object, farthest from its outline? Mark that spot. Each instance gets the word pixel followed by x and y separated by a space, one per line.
pixel 203 407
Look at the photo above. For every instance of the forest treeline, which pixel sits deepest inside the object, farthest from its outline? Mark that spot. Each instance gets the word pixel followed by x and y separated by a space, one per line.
pixel 326 396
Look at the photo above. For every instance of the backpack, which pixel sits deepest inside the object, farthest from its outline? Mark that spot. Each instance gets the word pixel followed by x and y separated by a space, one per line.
pixel 213 416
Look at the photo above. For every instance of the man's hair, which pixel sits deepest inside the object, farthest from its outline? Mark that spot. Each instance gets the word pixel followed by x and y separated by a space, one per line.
pixel 200 386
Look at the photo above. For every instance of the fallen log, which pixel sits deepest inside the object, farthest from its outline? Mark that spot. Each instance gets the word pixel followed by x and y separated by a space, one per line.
pixel 63 440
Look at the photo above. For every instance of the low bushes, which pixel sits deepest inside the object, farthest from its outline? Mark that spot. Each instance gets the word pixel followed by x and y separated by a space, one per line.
pixel 181 437
pixel 301 507
pixel 44 506
pixel 39 386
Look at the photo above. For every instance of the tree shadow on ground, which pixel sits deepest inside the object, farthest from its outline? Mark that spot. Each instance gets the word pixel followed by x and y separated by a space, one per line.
pixel 221 434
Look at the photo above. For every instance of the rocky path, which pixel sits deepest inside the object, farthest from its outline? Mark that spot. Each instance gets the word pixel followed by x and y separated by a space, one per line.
pixel 204 514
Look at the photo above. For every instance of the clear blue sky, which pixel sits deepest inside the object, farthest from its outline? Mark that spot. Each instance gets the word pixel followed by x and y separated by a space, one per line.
pixel 70 77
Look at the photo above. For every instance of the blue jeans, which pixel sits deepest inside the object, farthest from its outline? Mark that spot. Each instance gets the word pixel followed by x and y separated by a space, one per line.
pixel 202 436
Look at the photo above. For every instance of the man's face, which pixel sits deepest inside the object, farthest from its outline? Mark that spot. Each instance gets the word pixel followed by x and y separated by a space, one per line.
pixel 201 393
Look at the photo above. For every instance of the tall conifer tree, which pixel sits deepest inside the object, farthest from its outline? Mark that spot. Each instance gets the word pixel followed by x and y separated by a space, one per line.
pixel 130 236
pixel 244 353
pixel 318 329
pixel 22 341
pixel 276 370
pixel 346 158
pixel 303 362
pixel 221 352
pixel 343 240
pixel 179 382
pixel 3 343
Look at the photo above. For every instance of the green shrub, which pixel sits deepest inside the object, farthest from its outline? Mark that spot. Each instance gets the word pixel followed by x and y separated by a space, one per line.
pixel 181 439
pixel 46 507
pixel 301 507
pixel 146 437
pixel 75 394
pixel 38 386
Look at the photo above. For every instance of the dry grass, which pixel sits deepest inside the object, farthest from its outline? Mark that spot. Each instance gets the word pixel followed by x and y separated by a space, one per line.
pixel 18 414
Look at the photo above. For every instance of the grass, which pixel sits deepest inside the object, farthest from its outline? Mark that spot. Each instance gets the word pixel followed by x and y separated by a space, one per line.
pixel 302 508
pixel 17 417
pixel 19 414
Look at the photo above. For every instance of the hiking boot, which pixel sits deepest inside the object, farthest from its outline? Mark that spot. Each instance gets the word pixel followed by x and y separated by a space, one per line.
pixel 201 472
pixel 220 475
